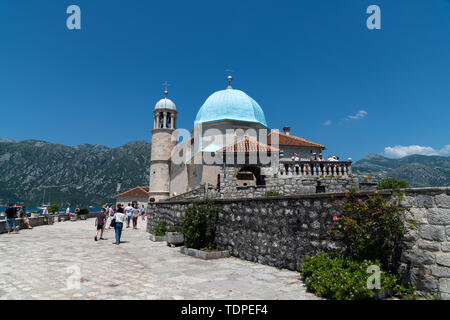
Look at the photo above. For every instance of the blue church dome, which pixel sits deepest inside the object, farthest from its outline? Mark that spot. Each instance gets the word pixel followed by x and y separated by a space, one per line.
pixel 230 104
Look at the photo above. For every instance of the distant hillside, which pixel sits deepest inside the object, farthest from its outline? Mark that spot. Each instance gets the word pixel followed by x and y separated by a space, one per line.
pixel 85 174
pixel 418 170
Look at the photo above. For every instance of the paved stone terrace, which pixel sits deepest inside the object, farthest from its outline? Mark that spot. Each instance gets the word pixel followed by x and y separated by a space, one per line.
pixel 36 264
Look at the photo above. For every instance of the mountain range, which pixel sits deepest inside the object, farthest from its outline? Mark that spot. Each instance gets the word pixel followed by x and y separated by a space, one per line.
pixel 418 170
pixel 35 172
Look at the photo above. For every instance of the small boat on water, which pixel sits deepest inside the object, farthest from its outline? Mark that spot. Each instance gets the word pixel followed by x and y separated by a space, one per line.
pixel 42 207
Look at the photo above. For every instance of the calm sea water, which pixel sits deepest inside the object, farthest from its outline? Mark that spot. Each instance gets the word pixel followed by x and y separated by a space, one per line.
pixel 62 210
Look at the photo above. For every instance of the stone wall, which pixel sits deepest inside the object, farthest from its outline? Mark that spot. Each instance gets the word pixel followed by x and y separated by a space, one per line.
pixel 286 187
pixel 426 258
pixel 281 231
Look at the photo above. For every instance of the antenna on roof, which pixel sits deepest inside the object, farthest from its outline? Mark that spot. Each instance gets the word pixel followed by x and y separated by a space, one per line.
pixel 166 85
pixel 229 78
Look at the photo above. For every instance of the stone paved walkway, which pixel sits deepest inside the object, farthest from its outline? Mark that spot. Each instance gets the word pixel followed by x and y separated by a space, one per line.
pixel 42 264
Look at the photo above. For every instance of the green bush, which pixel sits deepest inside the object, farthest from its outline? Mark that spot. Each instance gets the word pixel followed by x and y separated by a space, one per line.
pixel 199 225
pixel 372 229
pixel 54 208
pixel 84 211
pixel 159 230
pixel 175 229
pixel 272 194
pixel 336 276
pixel 392 183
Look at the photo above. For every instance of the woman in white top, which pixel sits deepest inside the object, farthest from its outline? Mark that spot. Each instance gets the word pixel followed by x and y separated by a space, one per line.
pixel 120 218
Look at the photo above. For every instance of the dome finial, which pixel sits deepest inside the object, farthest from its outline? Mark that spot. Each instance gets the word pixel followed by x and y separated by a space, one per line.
pixel 229 78
pixel 166 84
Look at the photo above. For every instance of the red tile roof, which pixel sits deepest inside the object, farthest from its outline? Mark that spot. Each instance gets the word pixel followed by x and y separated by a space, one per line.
pixel 138 192
pixel 248 144
pixel 290 140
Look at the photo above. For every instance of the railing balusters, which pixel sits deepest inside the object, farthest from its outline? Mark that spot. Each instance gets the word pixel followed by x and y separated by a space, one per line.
pixel 300 169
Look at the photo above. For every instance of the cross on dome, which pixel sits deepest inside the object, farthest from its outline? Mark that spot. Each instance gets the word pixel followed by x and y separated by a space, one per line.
pixel 166 85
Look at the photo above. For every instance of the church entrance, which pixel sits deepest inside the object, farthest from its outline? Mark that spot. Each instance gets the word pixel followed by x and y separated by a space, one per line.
pixel 249 176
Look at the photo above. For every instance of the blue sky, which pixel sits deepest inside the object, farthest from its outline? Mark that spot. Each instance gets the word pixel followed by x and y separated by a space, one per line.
pixel 313 65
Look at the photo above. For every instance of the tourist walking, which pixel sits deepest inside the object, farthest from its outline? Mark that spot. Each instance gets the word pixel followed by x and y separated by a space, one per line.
pixel 45 213
pixel 135 215
pixel 120 218
pixel 128 210
pixel 11 212
pixel 111 219
pixel 68 213
pixel 143 213
pixel 100 224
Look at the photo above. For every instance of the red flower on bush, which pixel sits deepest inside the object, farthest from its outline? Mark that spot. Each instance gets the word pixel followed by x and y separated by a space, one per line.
pixel 335 218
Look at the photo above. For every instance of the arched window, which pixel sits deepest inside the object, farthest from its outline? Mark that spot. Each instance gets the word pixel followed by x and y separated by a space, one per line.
pixel 168 120
pixel 161 121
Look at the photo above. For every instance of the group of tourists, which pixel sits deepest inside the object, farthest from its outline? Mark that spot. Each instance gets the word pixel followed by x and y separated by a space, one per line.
pixel 117 216
pixel 315 165
pixel 11 216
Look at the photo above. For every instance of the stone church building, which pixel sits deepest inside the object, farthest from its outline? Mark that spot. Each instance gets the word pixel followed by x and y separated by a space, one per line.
pixel 233 152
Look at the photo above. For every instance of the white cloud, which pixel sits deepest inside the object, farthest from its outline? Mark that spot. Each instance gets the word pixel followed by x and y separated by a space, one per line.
pixel 327 123
pixel 361 114
pixel 403 151
pixel 445 150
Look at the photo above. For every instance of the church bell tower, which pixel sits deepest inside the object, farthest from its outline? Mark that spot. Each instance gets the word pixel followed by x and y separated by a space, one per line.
pixel 164 124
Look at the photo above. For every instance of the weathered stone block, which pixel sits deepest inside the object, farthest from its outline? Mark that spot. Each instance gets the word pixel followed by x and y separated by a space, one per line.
pixel 440 272
pixel 418 257
pixel 442 200
pixel 444 285
pixel 445 246
pixel 436 233
pixel 204 255
pixel 412 235
pixel 424 201
pixel 428 284
pixel 445 296
pixel 418 214
pixel 443 259
pixel 428 245
pixel 439 216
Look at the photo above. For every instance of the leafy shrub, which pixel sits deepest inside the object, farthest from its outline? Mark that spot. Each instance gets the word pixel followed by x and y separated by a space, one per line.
pixel 199 225
pixel 272 194
pixel 392 183
pixel 339 277
pixel 372 229
pixel 160 229
pixel 54 208
pixel 175 229
pixel 84 211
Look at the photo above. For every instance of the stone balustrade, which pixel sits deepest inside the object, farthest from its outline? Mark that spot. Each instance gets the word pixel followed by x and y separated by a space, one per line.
pixel 290 169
